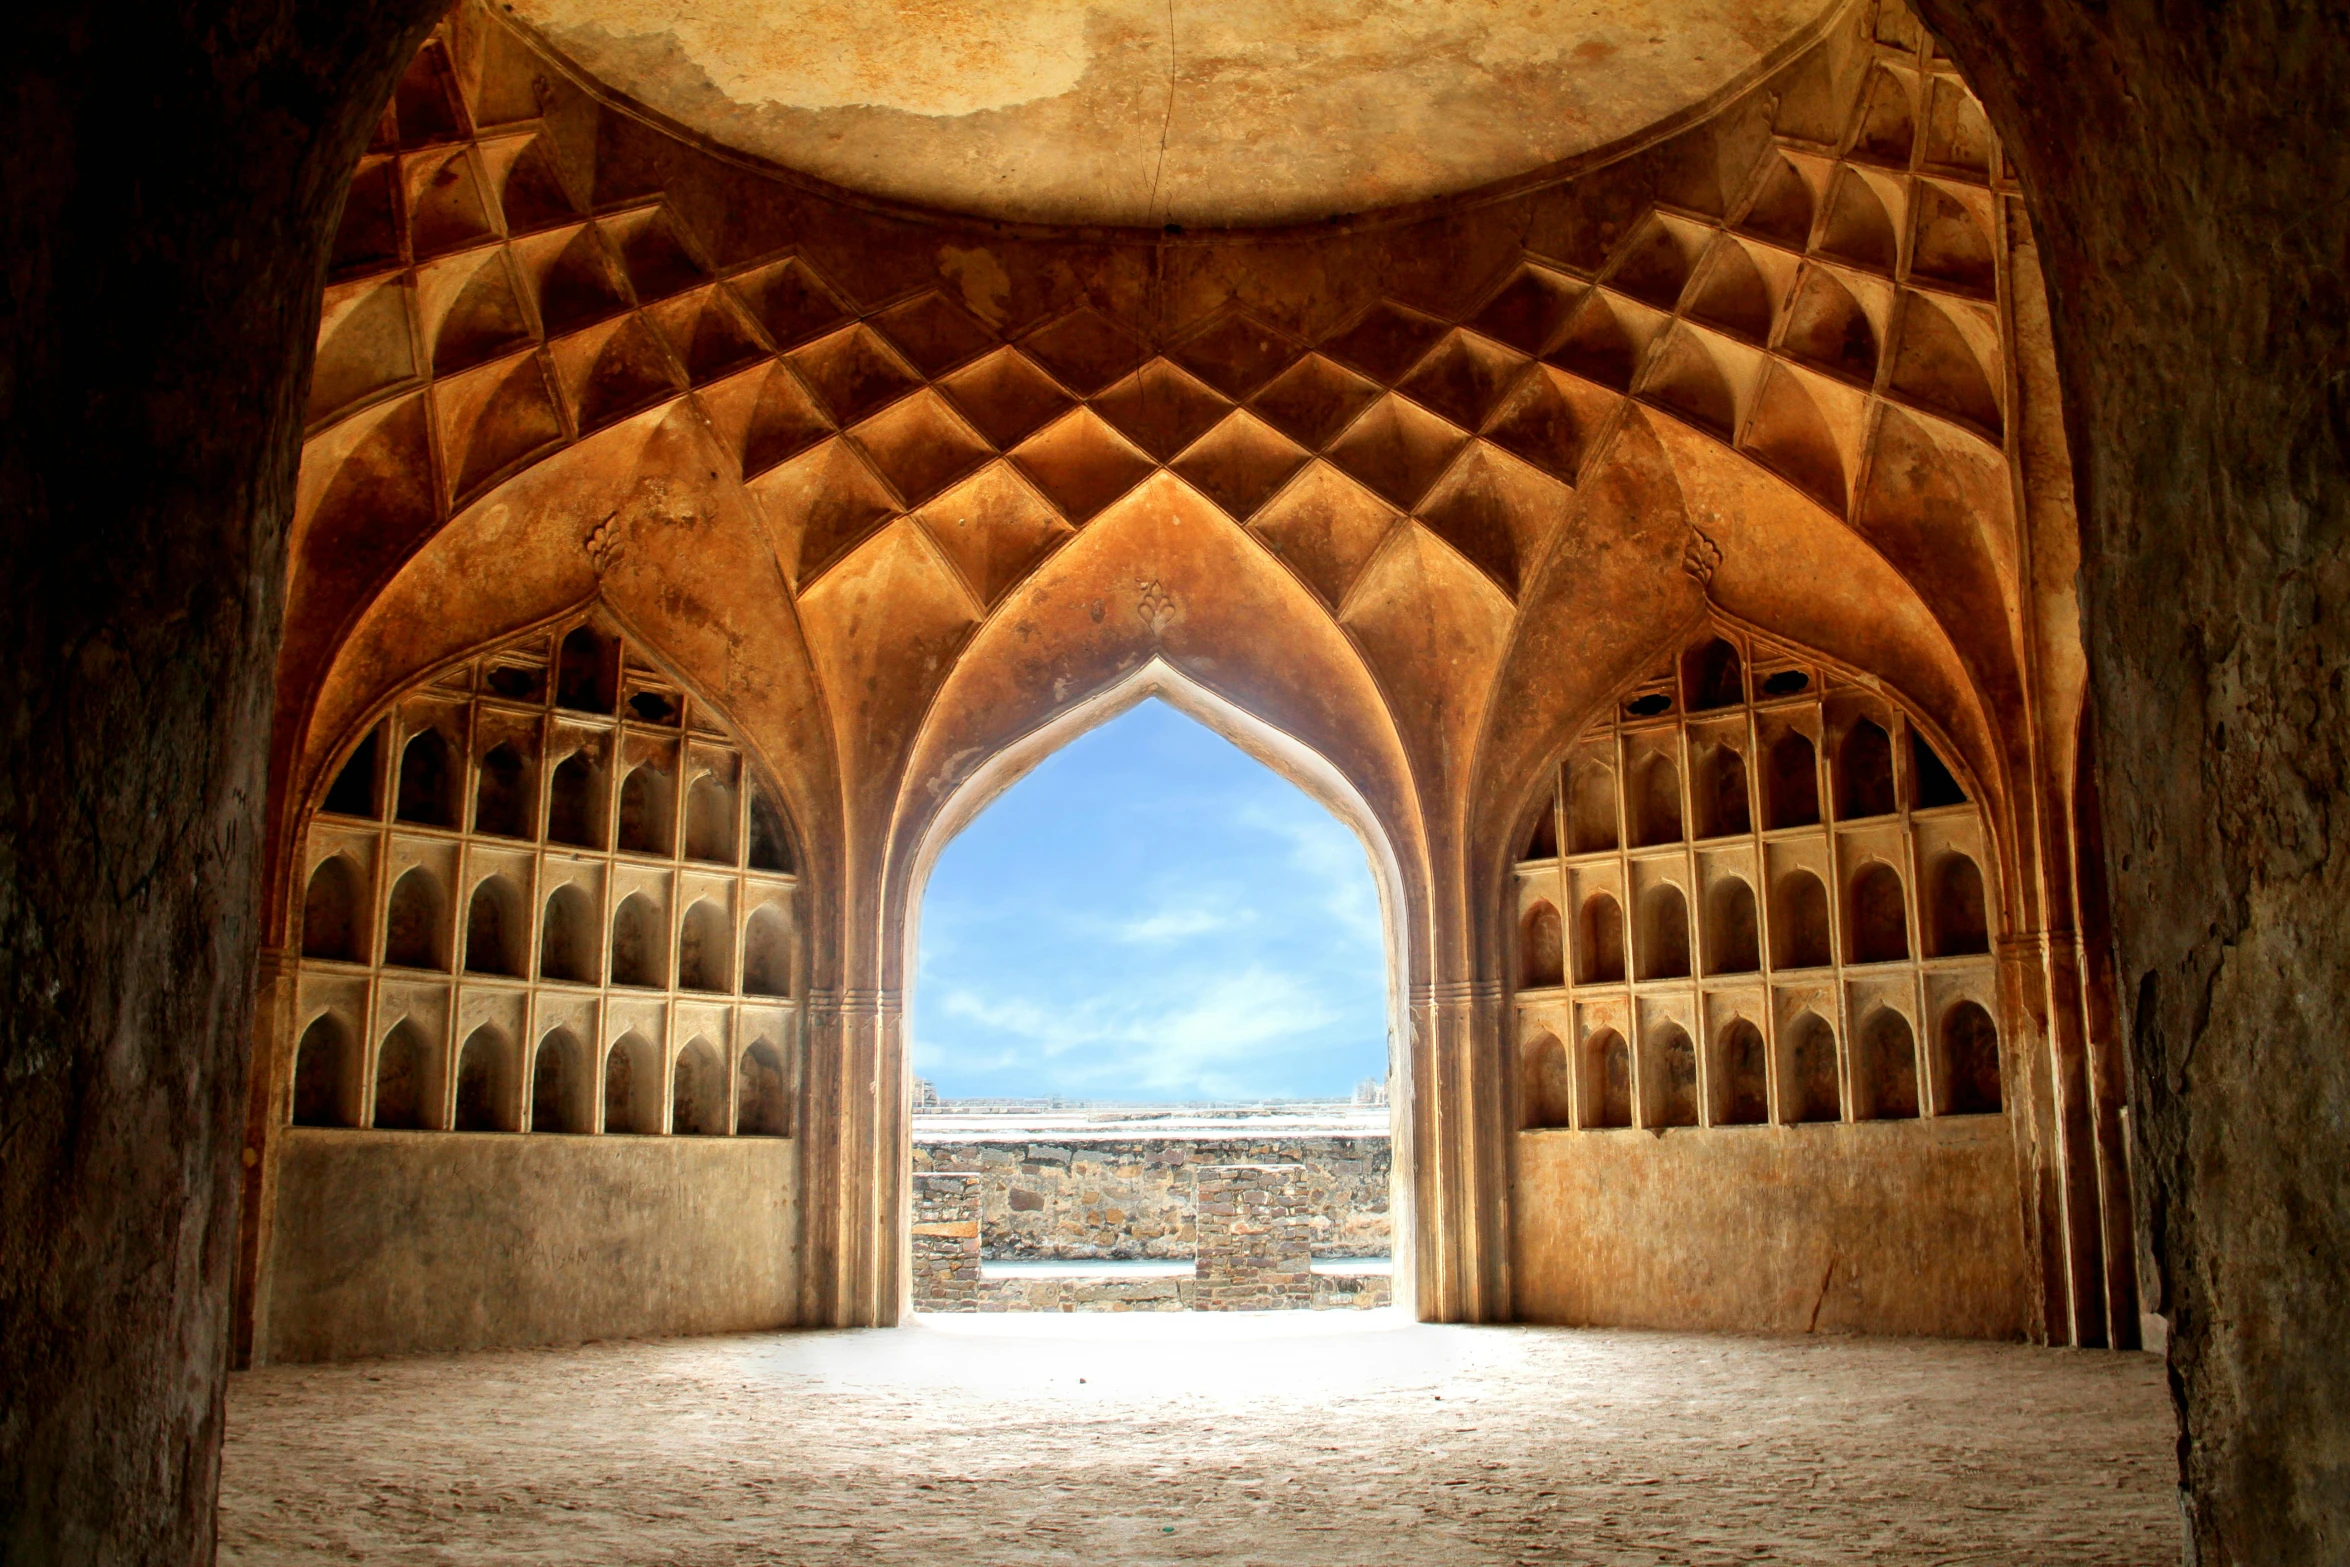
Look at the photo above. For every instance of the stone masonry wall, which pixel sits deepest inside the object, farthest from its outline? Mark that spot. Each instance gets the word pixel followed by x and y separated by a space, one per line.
pixel 1131 1198
pixel 1256 1247
pixel 946 1241
pixel 1254 1254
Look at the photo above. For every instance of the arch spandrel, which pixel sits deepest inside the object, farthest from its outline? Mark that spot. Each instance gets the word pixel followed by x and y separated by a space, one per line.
pixel 1433 631
pixel 635 520
pixel 1788 568
pixel 1612 589
pixel 1160 575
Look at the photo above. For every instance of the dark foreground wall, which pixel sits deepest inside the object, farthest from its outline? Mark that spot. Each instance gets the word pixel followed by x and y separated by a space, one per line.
pixel 169 174
pixel 2192 202
pixel 1841 1227
pixel 391 1243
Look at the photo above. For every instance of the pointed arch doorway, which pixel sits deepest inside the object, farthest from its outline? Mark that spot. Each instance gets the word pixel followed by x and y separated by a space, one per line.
pixel 1286 757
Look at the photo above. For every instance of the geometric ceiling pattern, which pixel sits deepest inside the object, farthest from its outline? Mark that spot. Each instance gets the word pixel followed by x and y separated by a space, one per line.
pixel 486 309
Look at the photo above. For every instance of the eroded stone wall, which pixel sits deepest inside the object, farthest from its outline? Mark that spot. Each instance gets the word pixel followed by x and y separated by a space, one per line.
pixel 1132 1198
pixel 1255 1226
pixel 392 1243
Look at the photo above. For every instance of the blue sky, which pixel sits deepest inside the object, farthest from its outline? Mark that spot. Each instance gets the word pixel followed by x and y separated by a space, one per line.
pixel 1151 915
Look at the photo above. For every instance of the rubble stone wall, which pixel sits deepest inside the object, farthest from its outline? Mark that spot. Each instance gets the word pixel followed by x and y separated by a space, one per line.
pixel 1254 1254
pixel 1131 1198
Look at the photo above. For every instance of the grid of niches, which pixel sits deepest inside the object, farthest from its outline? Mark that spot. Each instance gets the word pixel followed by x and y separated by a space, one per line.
pixel 546 893
pixel 494 300
pixel 1772 907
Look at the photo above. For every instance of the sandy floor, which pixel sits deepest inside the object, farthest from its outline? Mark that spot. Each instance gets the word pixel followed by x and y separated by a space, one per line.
pixel 1313 1440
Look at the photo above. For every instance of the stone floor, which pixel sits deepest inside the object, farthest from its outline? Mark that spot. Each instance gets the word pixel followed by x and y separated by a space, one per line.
pixel 1295 1438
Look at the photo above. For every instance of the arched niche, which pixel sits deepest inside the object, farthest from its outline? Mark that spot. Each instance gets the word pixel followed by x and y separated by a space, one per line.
pixel 698 1093
pixel 561 1084
pixel 705 948
pixel 1542 952
pixel 497 928
pixel 767 953
pixel 1669 1078
pixel 1545 1089
pixel 486 1082
pixel 1607 1081
pixel 334 923
pixel 510 562
pixel 1740 1076
pixel 326 1072
pixel 764 1107
pixel 1599 941
pixel 636 1089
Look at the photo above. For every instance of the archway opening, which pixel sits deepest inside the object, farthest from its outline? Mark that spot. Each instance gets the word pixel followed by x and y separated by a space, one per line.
pixel 1152 989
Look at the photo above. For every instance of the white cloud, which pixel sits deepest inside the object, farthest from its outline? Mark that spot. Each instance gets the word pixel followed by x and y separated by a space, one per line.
pixel 1174 924
pixel 1324 851
pixel 1195 1037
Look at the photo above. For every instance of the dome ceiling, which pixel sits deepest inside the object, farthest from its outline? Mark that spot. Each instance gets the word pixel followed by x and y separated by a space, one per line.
pixel 1211 113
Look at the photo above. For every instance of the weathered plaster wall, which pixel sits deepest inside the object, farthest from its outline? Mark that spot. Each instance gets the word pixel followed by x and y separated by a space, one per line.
pixel 2193 209
pixel 169 179
pixel 392 1243
pixel 1852 1227
pixel 1133 1197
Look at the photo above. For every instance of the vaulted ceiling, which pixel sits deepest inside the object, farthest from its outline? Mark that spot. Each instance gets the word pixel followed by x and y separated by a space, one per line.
pixel 1212 112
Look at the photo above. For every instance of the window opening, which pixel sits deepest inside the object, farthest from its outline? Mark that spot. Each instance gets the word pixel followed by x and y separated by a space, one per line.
pixel 1936 785
pixel 770 848
pixel 501 803
pixel 424 781
pixel 583 679
pixel 1960 923
pixel 1865 766
pixel 1713 677
pixel 1542 841
pixel 353 791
